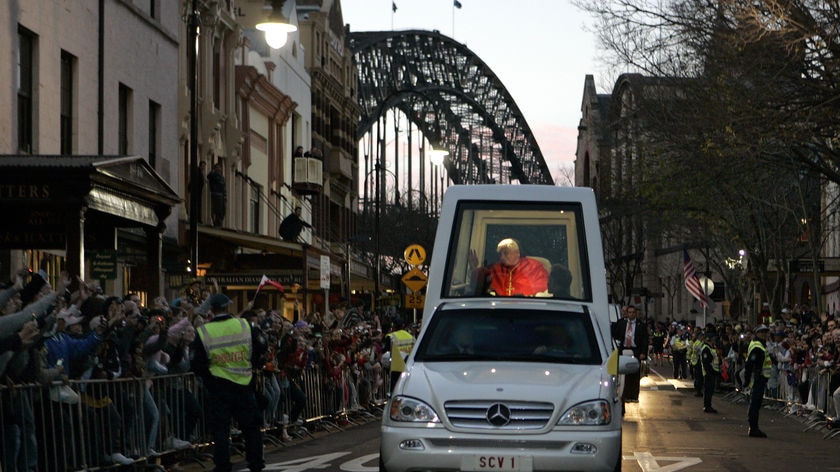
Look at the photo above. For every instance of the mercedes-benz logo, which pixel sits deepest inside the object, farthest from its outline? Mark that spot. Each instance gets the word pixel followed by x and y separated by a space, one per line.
pixel 498 414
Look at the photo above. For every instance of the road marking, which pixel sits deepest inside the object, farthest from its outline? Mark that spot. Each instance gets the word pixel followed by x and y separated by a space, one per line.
pixel 649 463
pixel 358 464
pixel 306 463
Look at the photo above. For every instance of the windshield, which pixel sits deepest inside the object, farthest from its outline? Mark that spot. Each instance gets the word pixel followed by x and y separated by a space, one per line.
pixel 509 335
pixel 518 249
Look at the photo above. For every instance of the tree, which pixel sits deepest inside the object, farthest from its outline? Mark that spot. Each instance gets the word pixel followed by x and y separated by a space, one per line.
pixel 739 121
pixel 778 58
pixel 400 224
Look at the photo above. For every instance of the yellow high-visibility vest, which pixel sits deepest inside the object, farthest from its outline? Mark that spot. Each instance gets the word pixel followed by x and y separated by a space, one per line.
pixel 694 351
pixel 767 368
pixel 715 360
pixel 228 346
pixel 401 343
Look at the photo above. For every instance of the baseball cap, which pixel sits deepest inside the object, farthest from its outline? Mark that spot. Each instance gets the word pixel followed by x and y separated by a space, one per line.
pixel 219 300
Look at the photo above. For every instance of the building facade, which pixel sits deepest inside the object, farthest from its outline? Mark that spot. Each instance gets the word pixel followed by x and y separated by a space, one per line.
pixel 644 264
pixel 273 108
pixel 98 145
pixel 644 256
pixel 93 128
pixel 335 119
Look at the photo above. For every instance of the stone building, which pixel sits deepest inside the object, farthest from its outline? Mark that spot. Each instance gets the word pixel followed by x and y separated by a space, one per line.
pixel 91 175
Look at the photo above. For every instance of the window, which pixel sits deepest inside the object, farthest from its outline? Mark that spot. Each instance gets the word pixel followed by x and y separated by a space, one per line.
pixel 254 207
pixel 517 335
pixel 546 258
pixel 124 125
pixel 218 73
pixel 154 117
pixel 68 63
pixel 25 79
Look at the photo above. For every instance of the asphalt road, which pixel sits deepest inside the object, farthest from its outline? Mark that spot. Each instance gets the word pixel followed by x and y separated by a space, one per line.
pixel 666 431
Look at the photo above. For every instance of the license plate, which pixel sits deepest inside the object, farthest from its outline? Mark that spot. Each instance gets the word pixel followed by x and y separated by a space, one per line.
pixel 496 462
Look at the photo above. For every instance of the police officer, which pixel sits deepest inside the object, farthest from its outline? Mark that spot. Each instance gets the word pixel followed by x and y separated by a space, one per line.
pixel 227 351
pixel 709 368
pixel 399 342
pixel 679 347
pixel 694 361
pixel 756 373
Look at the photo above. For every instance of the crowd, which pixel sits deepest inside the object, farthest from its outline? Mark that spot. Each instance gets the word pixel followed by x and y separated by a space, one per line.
pixel 102 356
pixel 75 344
pixel 803 347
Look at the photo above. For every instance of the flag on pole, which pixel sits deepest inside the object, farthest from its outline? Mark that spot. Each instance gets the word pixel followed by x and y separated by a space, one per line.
pixel 457 4
pixel 265 280
pixel 394 7
pixel 692 282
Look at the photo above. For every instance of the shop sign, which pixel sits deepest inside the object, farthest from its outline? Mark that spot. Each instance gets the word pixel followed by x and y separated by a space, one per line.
pixel 103 265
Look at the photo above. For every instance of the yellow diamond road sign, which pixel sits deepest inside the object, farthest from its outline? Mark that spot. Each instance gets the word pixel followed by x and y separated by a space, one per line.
pixel 415 279
pixel 415 254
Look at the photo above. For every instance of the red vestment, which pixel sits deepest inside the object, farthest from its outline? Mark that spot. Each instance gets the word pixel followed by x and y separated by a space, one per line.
pixel 528 278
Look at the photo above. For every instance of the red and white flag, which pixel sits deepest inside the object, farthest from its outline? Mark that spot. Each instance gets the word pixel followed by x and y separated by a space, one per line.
pixel 692 282
pixel 265 280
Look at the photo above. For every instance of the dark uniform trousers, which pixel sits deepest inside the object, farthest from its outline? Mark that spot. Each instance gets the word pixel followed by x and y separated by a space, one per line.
pixel 756 398
pixel 240 403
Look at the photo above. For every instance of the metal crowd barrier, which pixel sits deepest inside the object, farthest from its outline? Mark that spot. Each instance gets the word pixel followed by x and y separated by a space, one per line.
pixel 332 399
pixel 85 424
pixel 812 402
pixel 95 424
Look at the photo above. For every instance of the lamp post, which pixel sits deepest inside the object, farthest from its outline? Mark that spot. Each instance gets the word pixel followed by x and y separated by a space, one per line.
pixel 194 21
pixel 376 230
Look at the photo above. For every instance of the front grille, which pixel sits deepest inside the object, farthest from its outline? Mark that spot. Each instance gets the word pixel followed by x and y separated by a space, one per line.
pixel 474 414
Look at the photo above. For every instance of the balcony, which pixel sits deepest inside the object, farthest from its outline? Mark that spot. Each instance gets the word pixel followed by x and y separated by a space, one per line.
pixel 308 176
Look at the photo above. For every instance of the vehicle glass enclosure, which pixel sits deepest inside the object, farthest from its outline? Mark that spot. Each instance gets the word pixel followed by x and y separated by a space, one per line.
pixel 478 334
pixel 550 233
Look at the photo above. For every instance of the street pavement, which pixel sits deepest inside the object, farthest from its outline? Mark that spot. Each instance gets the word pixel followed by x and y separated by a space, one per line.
pixel 666 431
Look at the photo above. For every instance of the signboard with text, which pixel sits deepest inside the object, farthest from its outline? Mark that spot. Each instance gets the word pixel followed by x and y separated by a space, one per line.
pixel 103 265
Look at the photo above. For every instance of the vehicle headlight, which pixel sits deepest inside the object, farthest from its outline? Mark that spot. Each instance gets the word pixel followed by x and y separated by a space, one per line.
pixel 596 412
pixel 411 410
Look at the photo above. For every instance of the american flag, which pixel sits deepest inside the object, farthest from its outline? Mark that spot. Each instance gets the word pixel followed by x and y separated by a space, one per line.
pixel 692 283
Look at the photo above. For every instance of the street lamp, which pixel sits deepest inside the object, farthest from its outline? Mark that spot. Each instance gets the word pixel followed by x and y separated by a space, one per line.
pixel 436 156
pixel 276 26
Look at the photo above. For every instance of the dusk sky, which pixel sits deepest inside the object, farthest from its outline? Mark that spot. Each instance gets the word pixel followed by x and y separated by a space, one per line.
pixel 538 48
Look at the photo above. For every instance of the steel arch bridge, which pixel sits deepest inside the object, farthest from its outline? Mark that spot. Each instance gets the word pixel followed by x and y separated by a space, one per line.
pixel 453 98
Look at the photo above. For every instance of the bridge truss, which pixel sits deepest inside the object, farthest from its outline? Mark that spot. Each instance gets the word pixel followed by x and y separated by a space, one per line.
pixel 453 98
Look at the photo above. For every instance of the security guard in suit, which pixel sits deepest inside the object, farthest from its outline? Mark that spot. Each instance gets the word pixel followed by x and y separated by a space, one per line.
pixel 227 351
pixel 632 334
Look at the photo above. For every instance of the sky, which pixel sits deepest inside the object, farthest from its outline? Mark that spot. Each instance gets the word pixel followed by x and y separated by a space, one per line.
pixel 539 49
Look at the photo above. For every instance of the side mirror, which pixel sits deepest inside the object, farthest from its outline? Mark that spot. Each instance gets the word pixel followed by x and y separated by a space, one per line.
pixel 628 365
pixel 620 364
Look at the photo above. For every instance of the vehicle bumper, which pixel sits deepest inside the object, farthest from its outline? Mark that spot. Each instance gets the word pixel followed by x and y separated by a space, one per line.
pixel 437 449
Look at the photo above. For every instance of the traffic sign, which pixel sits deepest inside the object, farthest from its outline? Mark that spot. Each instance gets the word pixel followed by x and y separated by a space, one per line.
pixel 415 300
pixel 415 254
pixel 415 279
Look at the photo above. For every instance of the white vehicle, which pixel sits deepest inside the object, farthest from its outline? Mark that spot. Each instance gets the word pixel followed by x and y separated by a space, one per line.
pixel 524 382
